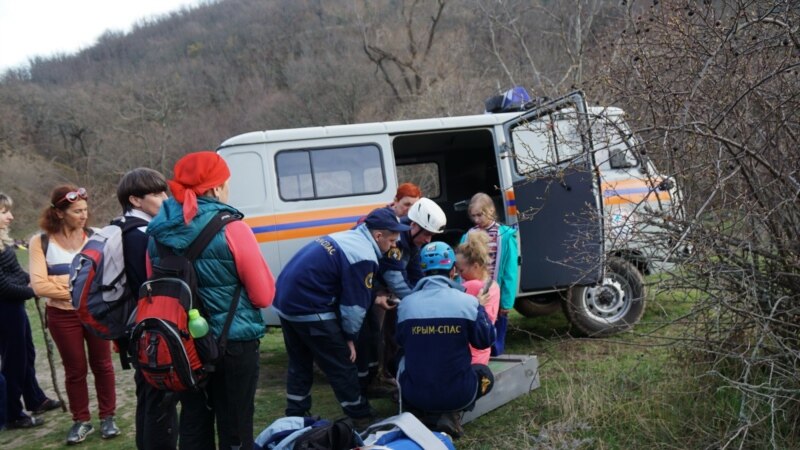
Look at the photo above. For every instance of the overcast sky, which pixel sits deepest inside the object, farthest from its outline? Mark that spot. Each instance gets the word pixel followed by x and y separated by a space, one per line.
pixel 45 27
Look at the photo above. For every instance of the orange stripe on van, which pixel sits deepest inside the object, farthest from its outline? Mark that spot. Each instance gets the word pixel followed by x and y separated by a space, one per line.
pixel 632 191
pixel 306 224
pixel 511 202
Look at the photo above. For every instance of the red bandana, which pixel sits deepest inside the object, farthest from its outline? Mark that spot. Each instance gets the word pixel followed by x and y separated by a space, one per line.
pixel 195 174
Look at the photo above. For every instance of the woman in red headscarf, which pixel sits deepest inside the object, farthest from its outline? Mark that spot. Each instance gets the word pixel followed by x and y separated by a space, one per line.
pixel 232 260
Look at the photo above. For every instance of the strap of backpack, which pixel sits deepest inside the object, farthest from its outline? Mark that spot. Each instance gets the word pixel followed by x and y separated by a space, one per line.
pixel 221 219
pixel 128 223
pixel 45 240
pixel 223 337
pixel 411 427
pixel 213 226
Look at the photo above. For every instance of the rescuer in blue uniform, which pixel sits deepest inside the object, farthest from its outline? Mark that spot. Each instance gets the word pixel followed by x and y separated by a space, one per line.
pixel 322 296
pixel 436 324
pixel 398 272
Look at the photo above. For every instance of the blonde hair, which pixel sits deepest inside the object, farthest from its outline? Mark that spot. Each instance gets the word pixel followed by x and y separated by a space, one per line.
pixel 475 248
pixel 484 203
pixel 5 204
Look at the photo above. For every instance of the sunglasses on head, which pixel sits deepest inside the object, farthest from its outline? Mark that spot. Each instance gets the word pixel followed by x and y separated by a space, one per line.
pixel 74 196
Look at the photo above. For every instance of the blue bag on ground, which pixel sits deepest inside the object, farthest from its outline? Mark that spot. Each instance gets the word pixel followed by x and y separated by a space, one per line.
pixel 290 433
pixel 404 432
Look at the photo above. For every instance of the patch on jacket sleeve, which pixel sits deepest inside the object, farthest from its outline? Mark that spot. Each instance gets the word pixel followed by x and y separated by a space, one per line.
pixel 395 254
pixel 368 281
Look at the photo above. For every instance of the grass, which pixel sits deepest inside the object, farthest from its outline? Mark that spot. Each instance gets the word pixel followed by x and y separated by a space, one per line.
pixel 626 392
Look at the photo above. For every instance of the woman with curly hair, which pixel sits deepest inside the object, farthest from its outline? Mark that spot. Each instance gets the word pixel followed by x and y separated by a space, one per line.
pixel 51 253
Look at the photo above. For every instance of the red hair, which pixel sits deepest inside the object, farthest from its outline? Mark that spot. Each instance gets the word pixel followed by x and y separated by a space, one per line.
pixel 407 190
pixel 49 220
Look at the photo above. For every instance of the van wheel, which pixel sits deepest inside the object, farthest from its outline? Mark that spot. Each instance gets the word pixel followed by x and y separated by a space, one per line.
pixel 538 305
pixel 612 307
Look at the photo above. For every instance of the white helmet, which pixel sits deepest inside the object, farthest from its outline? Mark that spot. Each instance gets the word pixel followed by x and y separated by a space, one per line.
pixel 428 215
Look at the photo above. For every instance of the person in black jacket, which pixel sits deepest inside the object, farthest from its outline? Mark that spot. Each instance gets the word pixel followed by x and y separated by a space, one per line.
pixel 140 193
pixel 16 343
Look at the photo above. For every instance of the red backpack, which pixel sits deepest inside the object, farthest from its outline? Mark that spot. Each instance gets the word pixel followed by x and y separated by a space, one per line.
pixel 98 284
pixel 168 357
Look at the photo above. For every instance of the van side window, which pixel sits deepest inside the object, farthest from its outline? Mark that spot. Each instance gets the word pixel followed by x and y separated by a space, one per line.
pixel 534 145
pixel 329 172
pixel 248 188
pixel 610 143
pixel 425 175
pixel 569 144
pixel 546 141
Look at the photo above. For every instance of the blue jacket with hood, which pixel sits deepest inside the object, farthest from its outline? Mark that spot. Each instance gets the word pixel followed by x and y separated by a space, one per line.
pixel 330 278
pixel 435 324
pixel 400 268
pixel 217 278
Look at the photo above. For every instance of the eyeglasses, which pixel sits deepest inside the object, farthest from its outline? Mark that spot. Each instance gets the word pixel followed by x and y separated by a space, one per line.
pixel 73 196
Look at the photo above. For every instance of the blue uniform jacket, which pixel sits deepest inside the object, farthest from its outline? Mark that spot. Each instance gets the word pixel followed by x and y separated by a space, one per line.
pixel 400 268
pixel 435 323
pixel 330 278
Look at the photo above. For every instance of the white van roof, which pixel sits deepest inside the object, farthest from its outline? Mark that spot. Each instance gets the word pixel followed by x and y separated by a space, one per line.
pixel 393 127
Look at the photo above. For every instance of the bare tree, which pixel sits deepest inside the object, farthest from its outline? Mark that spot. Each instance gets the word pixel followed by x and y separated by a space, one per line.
pixel 716 91
pixel 402 51
pixel 544 44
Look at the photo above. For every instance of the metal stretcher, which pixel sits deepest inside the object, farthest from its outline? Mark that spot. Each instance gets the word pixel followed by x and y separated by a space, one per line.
pixel 514 376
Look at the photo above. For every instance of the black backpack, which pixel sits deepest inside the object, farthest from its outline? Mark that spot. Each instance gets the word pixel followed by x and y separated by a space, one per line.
pixel 164 351
pixel 337 435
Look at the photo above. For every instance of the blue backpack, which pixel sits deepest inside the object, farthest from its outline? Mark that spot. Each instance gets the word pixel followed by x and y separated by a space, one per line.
pixel 307 433
pixel 400 432
pixel 405 432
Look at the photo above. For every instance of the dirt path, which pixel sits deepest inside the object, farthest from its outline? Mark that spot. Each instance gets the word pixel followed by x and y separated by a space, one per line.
pixel 57 423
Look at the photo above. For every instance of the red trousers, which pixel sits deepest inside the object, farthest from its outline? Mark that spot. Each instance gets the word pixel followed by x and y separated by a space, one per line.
pixel 70 336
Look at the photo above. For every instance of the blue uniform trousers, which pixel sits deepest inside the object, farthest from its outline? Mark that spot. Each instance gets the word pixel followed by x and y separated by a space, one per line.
pixel 322 342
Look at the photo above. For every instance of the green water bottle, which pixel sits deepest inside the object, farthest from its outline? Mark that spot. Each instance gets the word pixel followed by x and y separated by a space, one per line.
pixel 198 327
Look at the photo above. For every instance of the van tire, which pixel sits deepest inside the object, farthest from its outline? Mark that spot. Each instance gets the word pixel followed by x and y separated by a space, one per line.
pixel 539 305
pixel 611 308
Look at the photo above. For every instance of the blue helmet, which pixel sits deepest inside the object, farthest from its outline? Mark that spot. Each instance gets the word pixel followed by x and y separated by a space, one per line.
pixel 437 256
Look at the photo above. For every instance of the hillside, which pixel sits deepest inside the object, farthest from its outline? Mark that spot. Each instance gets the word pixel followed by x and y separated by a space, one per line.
pixel 712 90
pixel 189 80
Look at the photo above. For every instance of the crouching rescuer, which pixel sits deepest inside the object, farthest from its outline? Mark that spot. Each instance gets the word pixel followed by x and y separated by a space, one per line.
pixel 322 297
pixel 436 324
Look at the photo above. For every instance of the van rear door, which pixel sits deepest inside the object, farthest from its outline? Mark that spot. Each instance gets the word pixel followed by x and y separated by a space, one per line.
pixel 557 192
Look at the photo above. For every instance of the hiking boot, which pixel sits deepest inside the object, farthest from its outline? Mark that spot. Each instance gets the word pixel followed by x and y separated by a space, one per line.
pixel 108 428
pixel 78 432
pixel 47 405
pixel 25 422
pixel 450 423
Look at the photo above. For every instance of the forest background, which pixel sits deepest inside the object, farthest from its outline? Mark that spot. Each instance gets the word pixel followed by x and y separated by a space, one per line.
pixel 712 87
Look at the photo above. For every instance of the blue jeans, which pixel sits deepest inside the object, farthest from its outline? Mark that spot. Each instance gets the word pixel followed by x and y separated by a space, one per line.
pixel 19 358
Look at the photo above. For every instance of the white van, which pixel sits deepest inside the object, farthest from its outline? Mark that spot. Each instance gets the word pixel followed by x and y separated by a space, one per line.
pixel 569 177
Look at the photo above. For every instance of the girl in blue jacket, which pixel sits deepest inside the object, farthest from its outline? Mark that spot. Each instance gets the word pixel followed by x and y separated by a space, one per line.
pixel 504 253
